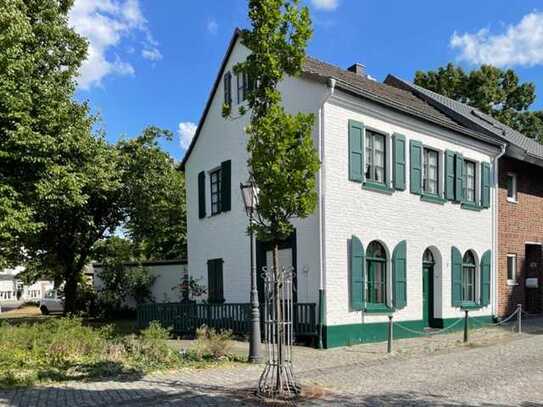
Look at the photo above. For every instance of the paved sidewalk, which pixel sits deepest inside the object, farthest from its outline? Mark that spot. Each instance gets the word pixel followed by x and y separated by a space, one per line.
pixel 500 368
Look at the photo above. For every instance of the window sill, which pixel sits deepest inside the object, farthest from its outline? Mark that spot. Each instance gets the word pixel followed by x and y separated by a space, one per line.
pixel 511 283
pixel 470 306
pixel 512 200
pixel 373 186
pixel 433 199
pixel 471 206
pixel 377 309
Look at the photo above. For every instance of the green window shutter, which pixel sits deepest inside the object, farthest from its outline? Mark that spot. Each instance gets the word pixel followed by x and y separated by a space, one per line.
pixel 356 151
pixel 416 167
pixel 228 89
pixel 215 281
pixel 456 277
pixel 459 177
pixel 399 275
pixel 449 175
pixel 486 264
pixel 357 274
pixel 202 195
pixel 226 186
pixel 485 185
pixel 398 172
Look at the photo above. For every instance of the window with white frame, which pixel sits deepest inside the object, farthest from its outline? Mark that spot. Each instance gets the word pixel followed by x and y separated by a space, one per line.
pixel 375 157
pixel 469 271
pixel 512 187
pixel 215 183
pixel 470 186
pixel 511 269
pixel 431 172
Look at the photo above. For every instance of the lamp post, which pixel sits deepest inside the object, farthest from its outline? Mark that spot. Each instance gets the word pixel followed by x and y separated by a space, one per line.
pixel 249 195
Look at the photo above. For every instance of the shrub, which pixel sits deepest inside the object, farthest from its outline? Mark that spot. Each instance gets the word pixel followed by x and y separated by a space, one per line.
pixel 212 344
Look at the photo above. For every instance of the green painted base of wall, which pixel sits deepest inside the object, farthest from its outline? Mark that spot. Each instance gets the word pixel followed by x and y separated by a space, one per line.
pixel 352 334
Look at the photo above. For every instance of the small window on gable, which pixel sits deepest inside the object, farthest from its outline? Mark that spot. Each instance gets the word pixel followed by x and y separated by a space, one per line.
pixel 511 269
pixel 375 157
pixel 470 184
pixel 431 172
pixel 215 183
pixel 512 195
pixel 242 86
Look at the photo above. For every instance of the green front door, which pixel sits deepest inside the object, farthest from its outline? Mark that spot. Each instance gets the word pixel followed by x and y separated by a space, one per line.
pixel 428 294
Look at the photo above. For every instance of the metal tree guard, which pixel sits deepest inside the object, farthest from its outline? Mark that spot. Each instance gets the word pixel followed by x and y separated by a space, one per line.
pixel 277 380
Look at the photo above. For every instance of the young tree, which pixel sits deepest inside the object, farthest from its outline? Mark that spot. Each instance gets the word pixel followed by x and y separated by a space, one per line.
pixel 492 90
pixel 282 158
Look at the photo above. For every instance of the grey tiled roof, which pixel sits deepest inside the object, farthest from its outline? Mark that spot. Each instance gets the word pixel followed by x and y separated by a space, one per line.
pixel 392 96
pixel 473 116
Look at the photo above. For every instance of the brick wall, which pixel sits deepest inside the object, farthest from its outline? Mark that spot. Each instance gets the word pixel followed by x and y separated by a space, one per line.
pixel 518 223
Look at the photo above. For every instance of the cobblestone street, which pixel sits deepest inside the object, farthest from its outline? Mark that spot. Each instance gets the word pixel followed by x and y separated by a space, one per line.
pixel 499 368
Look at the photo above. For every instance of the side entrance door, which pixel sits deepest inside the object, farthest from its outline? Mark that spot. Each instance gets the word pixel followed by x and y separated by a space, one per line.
pixel 428 289
pixel 533 271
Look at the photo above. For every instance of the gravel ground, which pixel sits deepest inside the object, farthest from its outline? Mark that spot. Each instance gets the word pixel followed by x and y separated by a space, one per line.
pixel 499 368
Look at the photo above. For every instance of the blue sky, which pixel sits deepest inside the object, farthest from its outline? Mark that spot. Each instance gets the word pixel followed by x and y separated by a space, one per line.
pixel 154 61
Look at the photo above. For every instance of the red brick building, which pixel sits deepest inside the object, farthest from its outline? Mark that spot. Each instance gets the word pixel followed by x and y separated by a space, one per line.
pixel 519 234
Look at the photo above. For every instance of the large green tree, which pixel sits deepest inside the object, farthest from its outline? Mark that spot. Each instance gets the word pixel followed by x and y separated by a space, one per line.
pixel 497 92
pixel 63 187
pixel 282 158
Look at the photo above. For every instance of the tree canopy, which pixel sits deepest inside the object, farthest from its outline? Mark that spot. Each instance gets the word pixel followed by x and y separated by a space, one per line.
pixel 282 158
pixel 64 187
pixel 497 92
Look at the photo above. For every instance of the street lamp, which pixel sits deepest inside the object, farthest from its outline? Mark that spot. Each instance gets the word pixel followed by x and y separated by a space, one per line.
pixel 249 195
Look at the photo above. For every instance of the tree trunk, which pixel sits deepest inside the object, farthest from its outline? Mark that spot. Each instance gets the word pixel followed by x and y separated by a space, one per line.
pixel 70 291
pixel 278 302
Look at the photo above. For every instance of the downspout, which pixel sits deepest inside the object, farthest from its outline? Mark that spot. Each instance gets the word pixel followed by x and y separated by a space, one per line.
pixel 495 227
pixel 322 188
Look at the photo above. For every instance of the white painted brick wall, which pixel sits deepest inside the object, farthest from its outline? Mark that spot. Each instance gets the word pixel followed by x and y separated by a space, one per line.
pixel 370 215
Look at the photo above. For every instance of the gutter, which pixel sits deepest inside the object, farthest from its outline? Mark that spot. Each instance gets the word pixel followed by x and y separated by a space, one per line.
pixel 495 225
pixel 322 188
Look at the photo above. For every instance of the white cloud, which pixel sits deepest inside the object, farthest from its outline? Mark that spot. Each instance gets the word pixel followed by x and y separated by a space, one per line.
pixel 186 133
pixel 520 44
pixel 152 54
pixel 105 23
pixel 212 26
pixel 325 4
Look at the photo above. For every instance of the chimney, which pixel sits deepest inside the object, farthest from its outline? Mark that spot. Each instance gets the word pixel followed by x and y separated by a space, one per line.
pixel 358 69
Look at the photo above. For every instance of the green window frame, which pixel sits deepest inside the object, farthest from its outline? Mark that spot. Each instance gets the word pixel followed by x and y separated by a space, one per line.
pixel 469 277
pixel 376 275
pixel 431 172
pixel 376 157
pixel 470 184
pixel 215 183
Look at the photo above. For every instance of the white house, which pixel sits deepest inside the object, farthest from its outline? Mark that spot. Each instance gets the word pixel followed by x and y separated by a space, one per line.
pixel 405 223
pixel 14 292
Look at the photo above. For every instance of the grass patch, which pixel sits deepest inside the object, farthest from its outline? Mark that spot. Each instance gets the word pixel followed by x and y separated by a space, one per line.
pixel 59 349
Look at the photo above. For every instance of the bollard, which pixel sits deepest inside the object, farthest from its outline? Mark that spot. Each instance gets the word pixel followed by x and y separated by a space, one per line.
pixel 519 318
pixel 466 326
pixel 390 333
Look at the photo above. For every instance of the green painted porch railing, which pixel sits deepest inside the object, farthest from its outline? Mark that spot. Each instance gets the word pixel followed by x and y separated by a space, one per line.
pixel 185 318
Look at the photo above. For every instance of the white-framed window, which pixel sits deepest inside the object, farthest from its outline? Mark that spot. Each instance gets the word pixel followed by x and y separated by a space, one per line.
pixel 470 191
pixel 215 184
pixel 376 157
pixel 431 171
pixel 511 269
pixel 512 195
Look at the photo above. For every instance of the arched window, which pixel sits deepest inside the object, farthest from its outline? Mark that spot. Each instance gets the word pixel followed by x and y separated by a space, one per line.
pixel 468 277
pixel 376 265
pixel 428 257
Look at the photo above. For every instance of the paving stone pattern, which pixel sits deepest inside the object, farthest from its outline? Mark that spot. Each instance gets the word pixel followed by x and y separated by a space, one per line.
pixel 498 368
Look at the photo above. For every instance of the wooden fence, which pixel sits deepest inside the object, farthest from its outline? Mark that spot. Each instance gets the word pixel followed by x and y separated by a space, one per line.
pixel 185 318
